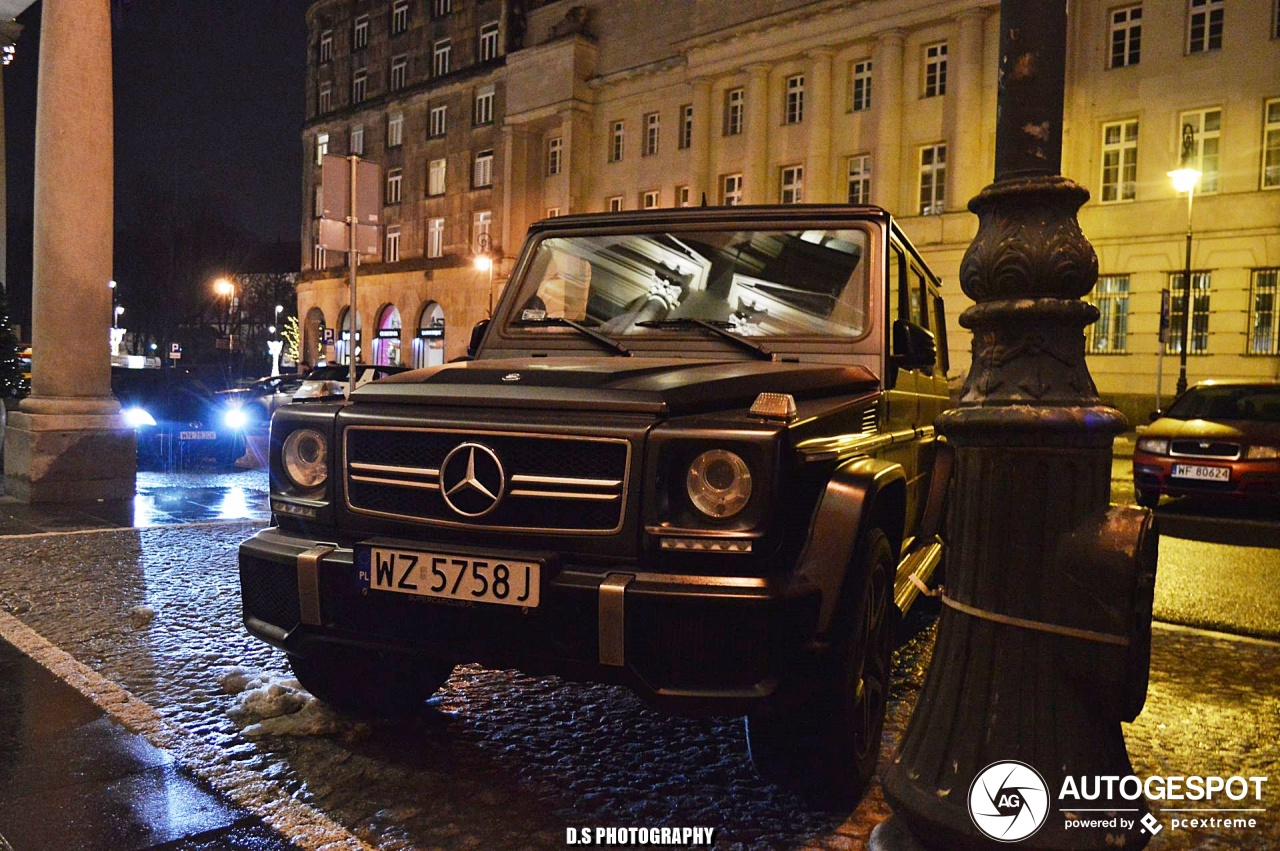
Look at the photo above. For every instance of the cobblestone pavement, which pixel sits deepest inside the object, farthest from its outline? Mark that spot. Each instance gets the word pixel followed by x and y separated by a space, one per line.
pixel 508 761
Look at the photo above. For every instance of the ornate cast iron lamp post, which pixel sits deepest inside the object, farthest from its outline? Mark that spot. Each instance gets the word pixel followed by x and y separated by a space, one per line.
pixel 1044 641
pixel 1185 179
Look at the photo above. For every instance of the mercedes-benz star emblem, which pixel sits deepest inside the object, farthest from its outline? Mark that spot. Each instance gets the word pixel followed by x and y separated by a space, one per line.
pixel 472 480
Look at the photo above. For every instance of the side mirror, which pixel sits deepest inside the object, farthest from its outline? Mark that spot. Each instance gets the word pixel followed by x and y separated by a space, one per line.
pixel 913 346
pixel 477 337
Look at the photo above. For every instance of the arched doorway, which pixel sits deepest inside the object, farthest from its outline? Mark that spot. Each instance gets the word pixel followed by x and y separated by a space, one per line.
pixel 311 346
pixel 428 343
pixel 342 347
pixel 386 346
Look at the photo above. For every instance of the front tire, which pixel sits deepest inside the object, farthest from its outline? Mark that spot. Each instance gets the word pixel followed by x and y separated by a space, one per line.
pixel 827 749
pixel 369 683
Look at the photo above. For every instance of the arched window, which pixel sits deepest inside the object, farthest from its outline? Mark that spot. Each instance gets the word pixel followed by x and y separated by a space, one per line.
pixel 428 344
pixel 342 346
pixel 386 348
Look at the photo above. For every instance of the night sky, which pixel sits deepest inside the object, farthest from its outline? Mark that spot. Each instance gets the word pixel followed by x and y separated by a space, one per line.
pixel 208 100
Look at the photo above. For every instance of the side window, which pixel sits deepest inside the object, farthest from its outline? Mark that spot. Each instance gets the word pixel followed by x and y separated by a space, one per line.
pixel 897 282
pixel 915 299
pixel 939 328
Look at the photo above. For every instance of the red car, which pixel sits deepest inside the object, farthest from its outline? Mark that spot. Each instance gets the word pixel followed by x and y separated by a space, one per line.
pixel 1220 440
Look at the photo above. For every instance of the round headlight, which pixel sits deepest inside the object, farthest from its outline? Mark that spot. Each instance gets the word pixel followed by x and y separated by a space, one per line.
pixel 305 457
pixel 137 417
pixel 1154 445
pixel 235 418
pixel 719 483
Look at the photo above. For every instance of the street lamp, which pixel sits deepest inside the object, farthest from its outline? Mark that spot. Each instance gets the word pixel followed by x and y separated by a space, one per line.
pixel 484 262
pixel 115 316
pixel 1185 180
pixel 279 310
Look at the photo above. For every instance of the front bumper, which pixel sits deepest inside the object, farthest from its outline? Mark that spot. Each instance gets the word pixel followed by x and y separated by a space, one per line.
pixel 688 644
pixel 1251 481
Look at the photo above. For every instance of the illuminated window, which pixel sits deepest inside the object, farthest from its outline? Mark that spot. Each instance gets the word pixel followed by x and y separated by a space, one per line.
pixel 731 190
pixel 734 105
pixel 359 86
pixel 792 185
pixel 935 70
pixel 860 86
pixel 399 72
pixel 360 33
pixel 1119 161
pixel 1201 134
pixel 489 41
pixel 480 224
pixel 394 179
pixel 1264 313
pixel 933 179
pixel 1110 334
pixel 440 57
pixel 484 106
pixel 555 146
pixel 399 16
pixel 483 174
pixel 391 250
pixel 859 176
pixel 1204 25
pixel 794 104
pixel 435 238
pixel 1271 144
pixel 435 177
pixel 322 147
pixel 1126 36
pixel 651 124
pixel 1199 313
pixel 617 139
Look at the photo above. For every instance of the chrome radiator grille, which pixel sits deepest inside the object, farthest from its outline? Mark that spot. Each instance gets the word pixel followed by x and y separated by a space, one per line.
pixel 487 479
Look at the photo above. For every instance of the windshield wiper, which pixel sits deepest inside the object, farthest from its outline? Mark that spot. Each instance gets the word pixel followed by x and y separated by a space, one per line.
pixel 603 339
pixel 720 329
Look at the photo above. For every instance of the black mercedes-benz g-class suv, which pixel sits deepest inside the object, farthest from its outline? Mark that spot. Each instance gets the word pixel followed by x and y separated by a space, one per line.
pixel 692 453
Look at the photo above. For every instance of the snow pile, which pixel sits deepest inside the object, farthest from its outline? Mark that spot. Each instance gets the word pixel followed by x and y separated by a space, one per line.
pixel 274 705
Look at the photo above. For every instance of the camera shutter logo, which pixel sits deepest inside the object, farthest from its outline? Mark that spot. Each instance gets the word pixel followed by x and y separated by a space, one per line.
pixel 1008 801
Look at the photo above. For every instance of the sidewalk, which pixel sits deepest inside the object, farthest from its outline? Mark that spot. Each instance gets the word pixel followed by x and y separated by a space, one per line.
pixel 70 776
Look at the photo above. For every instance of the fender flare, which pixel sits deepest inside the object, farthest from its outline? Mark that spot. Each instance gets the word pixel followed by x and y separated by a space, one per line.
pixel 860 490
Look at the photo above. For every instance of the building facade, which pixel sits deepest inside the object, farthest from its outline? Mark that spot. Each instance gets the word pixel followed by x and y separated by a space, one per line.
pixel 612 104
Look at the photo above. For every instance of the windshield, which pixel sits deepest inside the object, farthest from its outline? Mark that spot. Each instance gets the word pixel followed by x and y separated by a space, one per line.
pixel 750 282
pixel 1260 404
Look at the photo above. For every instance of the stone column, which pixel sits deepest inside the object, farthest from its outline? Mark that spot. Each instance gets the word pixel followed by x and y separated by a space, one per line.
pixel 9 31
pixel 964 163
pixel 886 103
pixel 817 115
pixel 518 148
pixel 67 441
pixel 700 145
pixel 576 153
pixel 755 171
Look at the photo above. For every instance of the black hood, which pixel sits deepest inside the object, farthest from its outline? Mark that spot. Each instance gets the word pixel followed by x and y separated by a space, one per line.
pixel 658 386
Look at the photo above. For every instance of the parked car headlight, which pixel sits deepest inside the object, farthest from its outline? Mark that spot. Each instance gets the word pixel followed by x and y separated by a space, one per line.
pixel 1262 453
pixel 235 418
pixel 719 483
pixel 1154 445
pixel 137 417
pixel 305 457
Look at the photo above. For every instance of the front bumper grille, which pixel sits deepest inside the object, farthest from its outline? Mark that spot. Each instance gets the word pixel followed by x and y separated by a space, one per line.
pixel 488 479
pixel 1204 449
